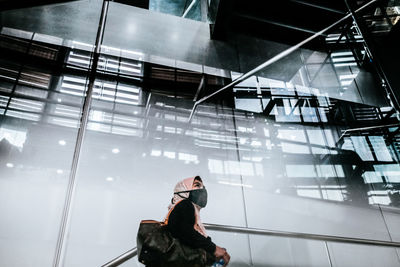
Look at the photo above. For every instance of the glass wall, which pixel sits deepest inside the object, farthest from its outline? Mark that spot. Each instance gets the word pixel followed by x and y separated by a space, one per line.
pixel 133 155
pixel 298 152
pixel 41 101
pixel 38 129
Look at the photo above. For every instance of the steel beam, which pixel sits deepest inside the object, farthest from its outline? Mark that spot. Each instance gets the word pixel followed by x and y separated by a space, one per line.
pixel 304 3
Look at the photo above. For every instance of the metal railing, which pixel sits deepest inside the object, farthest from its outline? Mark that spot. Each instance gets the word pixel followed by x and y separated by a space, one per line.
pixel 257 231
pixel 369 128
pixel 121 258
pixel 328 238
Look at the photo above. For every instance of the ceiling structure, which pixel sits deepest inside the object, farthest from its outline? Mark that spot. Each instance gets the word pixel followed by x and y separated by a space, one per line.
pixel 286 21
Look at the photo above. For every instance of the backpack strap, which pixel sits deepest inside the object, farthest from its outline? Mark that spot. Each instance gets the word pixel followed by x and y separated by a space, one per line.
pixel 169 212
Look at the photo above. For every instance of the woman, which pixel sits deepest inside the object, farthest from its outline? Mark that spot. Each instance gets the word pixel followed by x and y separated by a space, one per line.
pixel 183 218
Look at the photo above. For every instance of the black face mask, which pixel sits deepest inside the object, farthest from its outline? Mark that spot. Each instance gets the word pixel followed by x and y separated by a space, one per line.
pixel 197 196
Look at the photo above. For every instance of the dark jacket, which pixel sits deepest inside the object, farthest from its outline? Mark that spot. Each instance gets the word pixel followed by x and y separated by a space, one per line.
pixel 181 225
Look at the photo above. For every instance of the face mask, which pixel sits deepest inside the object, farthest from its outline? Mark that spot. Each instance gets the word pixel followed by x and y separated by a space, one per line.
pixel 197 196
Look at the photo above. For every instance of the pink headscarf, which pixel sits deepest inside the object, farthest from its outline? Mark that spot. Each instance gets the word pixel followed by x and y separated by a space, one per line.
pixel 185 185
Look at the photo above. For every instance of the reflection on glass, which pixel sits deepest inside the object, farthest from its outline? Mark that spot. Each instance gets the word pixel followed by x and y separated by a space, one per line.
pixel 37 141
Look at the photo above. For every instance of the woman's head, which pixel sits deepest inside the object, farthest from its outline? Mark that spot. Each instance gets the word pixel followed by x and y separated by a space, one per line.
pixel 193 189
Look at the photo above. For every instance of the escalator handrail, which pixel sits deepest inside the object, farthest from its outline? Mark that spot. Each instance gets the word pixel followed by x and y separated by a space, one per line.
pixel 121 258
pixel 330 238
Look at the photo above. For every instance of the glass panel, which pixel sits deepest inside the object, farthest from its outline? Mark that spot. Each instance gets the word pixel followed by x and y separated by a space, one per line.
pixel 38 129
pixel 280 251
pixel 143 35
pixel 361 255
pixel 299 174
pixel 70 24
pixel 133 156
pixel 312 173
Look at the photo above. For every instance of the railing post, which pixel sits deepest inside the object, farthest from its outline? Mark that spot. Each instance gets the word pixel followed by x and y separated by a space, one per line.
pixel 65 219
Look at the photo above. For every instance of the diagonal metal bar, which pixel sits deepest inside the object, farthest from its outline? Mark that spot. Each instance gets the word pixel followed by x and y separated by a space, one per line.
pixel 276 23
pixel 299 104
pixel 121 258
pixel 201 86
pixel 328 56
pixel 188 9
pixel 318 6
pixel 271 104
pixel 275 59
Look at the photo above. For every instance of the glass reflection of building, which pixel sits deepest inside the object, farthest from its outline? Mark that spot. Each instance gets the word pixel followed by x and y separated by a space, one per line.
pixel 309 144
